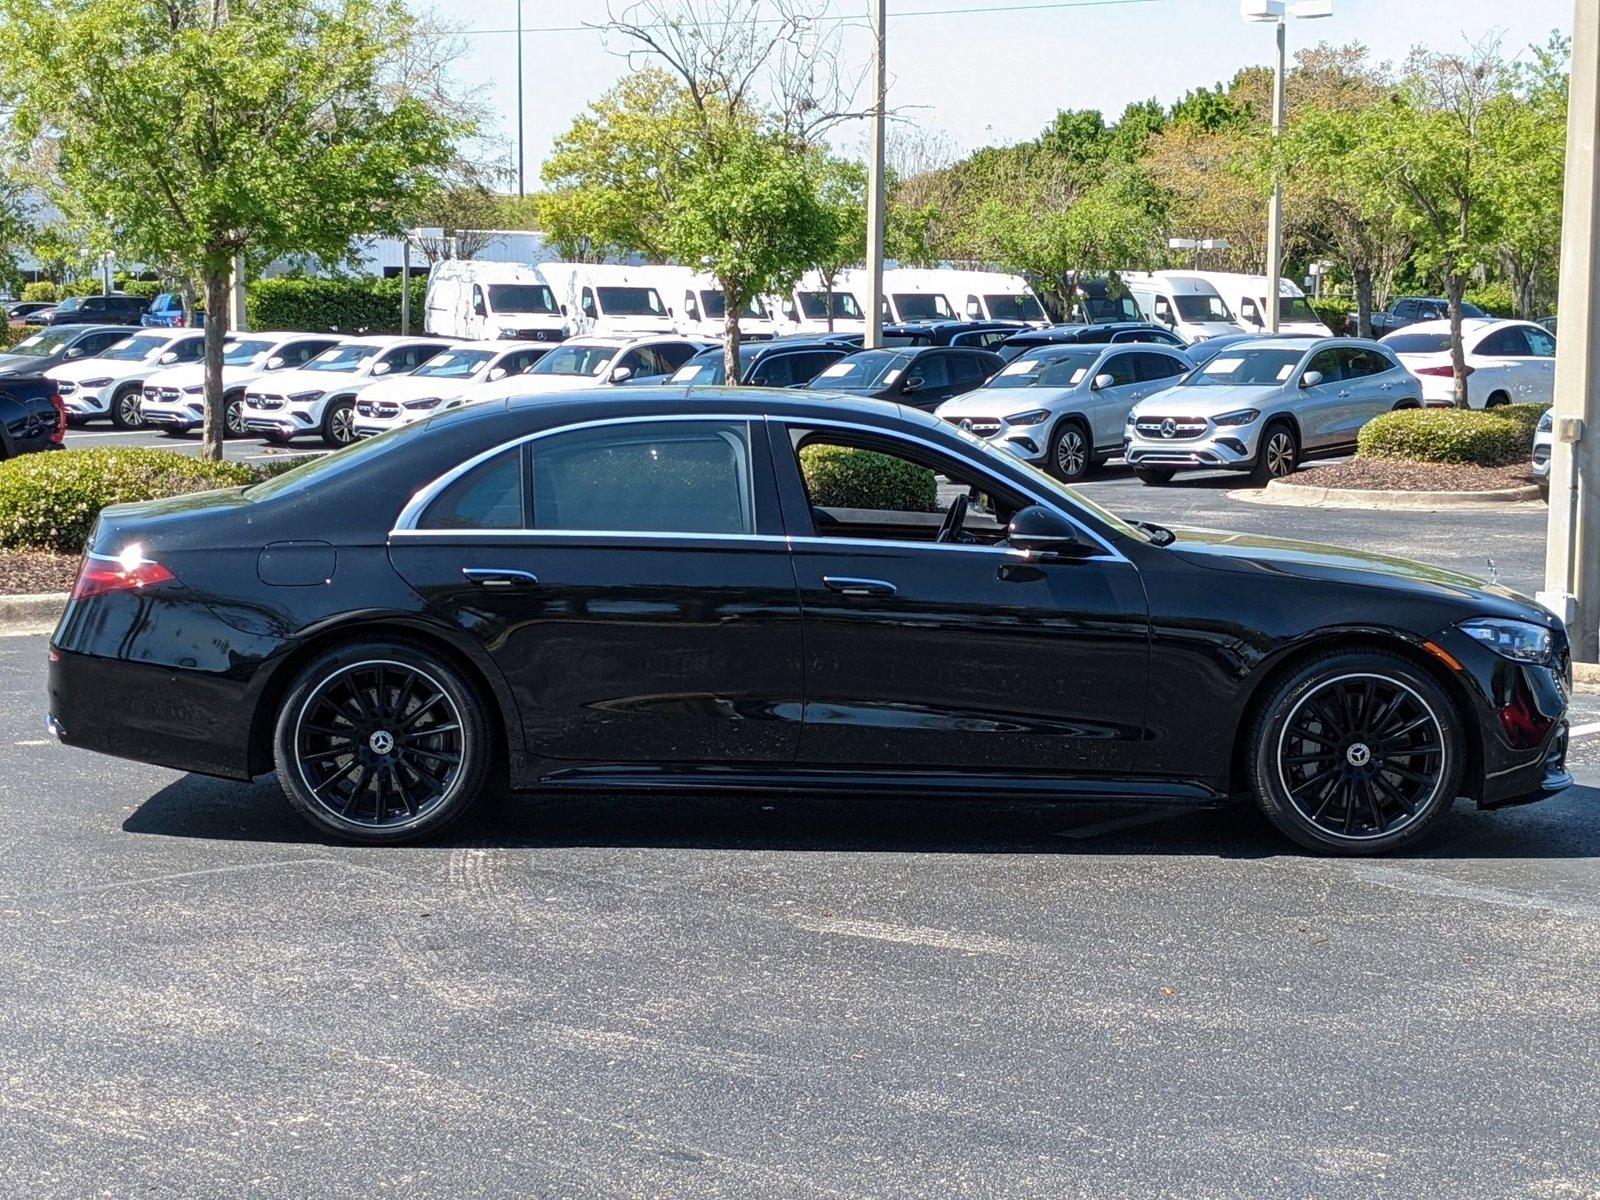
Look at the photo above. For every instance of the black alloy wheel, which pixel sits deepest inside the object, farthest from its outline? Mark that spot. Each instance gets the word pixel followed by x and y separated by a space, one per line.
pixel 1357 753
pixel 381 742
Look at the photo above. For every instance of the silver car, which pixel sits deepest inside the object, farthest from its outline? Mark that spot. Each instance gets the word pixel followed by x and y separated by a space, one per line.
pixel 1265 406
pixel 1063 407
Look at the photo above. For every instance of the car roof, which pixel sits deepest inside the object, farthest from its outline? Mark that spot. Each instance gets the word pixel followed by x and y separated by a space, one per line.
pixel 1306 342
pixel 1442 325
pixel 395 339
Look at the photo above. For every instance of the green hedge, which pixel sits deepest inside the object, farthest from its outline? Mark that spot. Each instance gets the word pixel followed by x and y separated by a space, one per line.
pixel 1333 311
pixel 43 290
pixel 348 305
pixel 843 477
pixel 50 501
pixel 1448 435
pixel 10 335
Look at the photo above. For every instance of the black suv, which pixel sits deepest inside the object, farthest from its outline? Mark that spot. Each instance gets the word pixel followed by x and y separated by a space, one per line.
pixel 115 309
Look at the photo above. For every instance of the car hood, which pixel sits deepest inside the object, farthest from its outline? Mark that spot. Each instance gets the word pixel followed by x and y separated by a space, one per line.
pixel 288 382
pixel 92 368
pixel 401 388
pixel 1206 401
pixel 532 385
pixel 27 364
pixel 1221 550
pixel 194 374
pixel 1000 402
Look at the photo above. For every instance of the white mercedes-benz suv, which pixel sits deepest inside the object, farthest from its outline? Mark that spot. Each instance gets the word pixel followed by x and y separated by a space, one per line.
pixel 447 380
pixel 175 398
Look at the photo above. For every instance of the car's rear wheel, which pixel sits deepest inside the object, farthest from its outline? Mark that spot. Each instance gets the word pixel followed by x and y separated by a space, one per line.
pixel 1154 476
pixel 1278 456
pixel 125 411
pixel 1497 400
pixel 1356 753
pixel 339 423
pixel 1071 456
pixel 381 742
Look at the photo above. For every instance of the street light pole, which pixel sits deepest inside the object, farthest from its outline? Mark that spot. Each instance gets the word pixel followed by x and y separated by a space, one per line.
pixel 875 199
pixel 521 140
pixel 1572 543
pixel 1275 210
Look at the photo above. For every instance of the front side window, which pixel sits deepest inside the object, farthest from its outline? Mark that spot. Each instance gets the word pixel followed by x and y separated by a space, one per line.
pixel 490 496
pixel 1121 369
pixel 1202 308
pixel 1329 364
pixel 685 477
pixel 931 371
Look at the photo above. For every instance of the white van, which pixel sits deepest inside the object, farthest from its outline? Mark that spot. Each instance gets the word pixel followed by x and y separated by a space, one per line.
pixel 479 301
pixel 909 295
pixel 991 296
pixel 1183 301
pixel 805 308
pixel 1246 295
pixel 613 301
pixel 699 307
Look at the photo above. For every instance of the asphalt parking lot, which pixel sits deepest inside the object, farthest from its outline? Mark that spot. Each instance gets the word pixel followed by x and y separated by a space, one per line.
pixel 642 997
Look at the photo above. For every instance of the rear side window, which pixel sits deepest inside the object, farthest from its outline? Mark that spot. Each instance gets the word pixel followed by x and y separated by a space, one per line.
pixel 806 367
pixel 932 369
pixel 490 496
pixel 1505 343
pixel 776 371
pixel 687 477
pixel 1158 366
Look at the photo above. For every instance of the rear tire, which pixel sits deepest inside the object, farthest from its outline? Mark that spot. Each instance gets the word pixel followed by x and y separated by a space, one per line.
pixel 380 742
pixel 1278 456
pixel 1356 752
pixel 1496 400
pixel 1070 454
pixel 1154 476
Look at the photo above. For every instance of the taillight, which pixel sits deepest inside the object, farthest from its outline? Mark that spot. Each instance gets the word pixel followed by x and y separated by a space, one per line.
pixel 60 435
pixel 1443 371
pixel 102 573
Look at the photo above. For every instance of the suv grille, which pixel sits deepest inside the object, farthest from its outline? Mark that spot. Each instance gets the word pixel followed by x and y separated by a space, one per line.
pixel 377 408
pixel 1181 427
pixel 978 426
pixel 267 402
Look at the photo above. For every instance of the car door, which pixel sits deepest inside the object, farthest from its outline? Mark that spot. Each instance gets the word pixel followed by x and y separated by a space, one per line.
pixel 1318 408
pixel 1366 389
pixel 1540 365
pixel 631 580
pixel 952 656
pixel 1108 409
pixel 927 382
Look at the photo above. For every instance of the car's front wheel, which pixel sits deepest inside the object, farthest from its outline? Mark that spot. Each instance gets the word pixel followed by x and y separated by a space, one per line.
pixel 1278 456
pixel 233 416
pixel 382 742
pixel 1071 456
pixel 339 423
pixel 125 410
pixel 1356 753
pixel 1154 476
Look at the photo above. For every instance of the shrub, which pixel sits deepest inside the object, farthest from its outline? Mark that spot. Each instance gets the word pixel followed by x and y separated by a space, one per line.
pixel 1333 311
pixel 42 290
pixel 50 501
pixel 1495 298
pixel 348 305
pixel 844 477
pixel 147 288
pixel 10 335
pixel 1447 435
pixel 1526 417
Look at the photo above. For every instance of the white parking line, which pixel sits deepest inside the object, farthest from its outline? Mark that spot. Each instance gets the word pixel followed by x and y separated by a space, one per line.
pixel 1584 730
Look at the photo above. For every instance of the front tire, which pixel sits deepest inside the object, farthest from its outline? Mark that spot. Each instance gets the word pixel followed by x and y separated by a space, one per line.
pixel 1278 456
pixel 233 416
pixel 125 411
pixel 1356 753
pixel 339 423
pixel 1154 476
pixel 1070 456
pixel 380 742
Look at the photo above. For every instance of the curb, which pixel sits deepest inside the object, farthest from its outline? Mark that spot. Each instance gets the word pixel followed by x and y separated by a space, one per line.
pixel 30 614
pixel 1296 495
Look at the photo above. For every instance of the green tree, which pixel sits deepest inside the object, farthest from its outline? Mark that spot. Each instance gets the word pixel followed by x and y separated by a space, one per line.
pixel 1526 131
pixel 190 131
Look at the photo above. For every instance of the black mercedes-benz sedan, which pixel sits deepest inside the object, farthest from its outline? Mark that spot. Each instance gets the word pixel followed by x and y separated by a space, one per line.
pixel 722 589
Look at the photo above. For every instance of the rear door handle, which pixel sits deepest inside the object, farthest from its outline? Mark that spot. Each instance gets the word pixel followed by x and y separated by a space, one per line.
pixel 500 577
pixel 1345 392
pixel 846 586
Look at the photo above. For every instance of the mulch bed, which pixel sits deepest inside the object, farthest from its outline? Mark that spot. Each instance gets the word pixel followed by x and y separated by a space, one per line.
pixel 1388 474
pixel 29 572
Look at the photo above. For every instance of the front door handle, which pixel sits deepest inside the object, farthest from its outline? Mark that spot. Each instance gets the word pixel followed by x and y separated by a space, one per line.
pixel 1344 392
pixel 500 577
pixel 846 586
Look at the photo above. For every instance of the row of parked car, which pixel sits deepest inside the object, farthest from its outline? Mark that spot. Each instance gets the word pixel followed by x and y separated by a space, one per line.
pixel 114 308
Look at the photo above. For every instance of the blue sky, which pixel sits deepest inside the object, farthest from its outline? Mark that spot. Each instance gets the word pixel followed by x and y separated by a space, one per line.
pixel 999 73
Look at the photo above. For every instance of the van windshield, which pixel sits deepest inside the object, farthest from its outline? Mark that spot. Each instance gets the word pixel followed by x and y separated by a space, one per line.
pixel 715 306
pixel 814 305
pixel 631 302
pixel 522 298
pixel 1100 311
pixel 1013 308
pixel 1202 308
pixel 923 306
pixel 1296 308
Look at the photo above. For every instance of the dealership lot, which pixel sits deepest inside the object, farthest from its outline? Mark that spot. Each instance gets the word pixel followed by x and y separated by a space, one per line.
pixel 650 997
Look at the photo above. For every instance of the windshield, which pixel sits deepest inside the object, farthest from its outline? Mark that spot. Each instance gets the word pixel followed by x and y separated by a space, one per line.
pixel 1472 310
pixel 135 349
pixel 1202 308
pixel 1055 370
pixel 1261 368
pixel 814 305
pixel 702 371
pixel 920 306
pixel 453 364
pixel 343 358
pixel 40 345
pixel 1297 308
pixel 239 354
pixel 715 306
pixel 70 304
pixel 631 302
pixel 1013 308
pixel 522 298
pixel 1100 312
pixel 574 360
pixel 1418 343
pixel 869 369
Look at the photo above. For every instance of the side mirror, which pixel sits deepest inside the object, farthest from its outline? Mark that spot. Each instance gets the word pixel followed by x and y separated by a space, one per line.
pixel 380 368
pixel 75 352
pixel 563 310
pixel 1310 379
pixel 1103 380
pixel 171 356
pixel 1041 531
pixel 497 373
pixel 622 375
pixel 274 362
pixel 911 385
pixel 478 309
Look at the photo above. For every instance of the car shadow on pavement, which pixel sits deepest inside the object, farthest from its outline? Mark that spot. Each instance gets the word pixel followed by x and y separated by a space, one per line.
pixel 199 807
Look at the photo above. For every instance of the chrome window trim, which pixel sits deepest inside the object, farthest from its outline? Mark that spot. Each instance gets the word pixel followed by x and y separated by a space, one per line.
pixel 405 525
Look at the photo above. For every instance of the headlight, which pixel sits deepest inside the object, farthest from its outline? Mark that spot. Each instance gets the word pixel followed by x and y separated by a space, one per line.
pixel 305 397
pixel 96 383
pixel 1243 417
pixel 425 403
pixel 1520 641
pixel 1548 421
pixel 194 389
pixel 1032 417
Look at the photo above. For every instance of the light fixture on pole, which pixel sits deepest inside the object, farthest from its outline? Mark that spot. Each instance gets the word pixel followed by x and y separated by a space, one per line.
pixel 1278 12
pixel 1197 245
